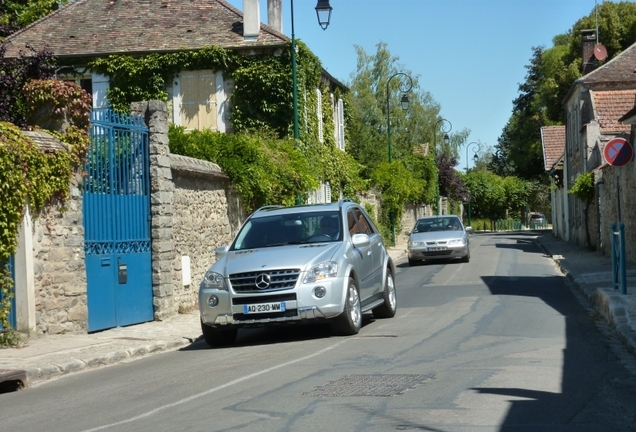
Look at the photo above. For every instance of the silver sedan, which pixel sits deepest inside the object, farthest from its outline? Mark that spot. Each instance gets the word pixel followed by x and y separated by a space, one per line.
pixel 439 237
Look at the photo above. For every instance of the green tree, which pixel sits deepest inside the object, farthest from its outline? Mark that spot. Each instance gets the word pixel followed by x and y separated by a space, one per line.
pixel 367 130
pixel 377 86
pixel 495 197
pixel 16 14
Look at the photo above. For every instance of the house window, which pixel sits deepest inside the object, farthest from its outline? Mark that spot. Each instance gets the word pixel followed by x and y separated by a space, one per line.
pixel 87 85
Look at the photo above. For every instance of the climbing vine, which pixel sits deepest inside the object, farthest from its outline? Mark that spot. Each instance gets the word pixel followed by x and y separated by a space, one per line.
pixel 29 175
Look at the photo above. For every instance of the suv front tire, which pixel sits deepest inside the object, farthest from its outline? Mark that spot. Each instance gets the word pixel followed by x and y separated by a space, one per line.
pixel 349 321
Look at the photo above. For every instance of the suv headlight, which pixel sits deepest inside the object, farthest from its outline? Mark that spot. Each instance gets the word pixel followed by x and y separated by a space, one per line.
pixel 324 270
pixel 213 280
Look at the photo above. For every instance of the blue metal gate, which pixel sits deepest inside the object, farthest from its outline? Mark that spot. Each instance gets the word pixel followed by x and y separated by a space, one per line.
pixel 12 318
pixel 116 208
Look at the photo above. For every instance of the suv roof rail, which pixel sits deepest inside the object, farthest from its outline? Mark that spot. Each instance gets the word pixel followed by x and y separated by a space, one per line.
pixel 267 207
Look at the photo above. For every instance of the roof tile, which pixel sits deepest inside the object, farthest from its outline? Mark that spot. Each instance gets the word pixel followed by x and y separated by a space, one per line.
pixel 553 140
pixel 610 106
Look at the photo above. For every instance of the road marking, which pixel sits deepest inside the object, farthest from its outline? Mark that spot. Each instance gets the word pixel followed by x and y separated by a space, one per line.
pixel 215 389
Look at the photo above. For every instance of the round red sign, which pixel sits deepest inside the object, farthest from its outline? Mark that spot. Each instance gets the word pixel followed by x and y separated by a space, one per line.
pixel 618 152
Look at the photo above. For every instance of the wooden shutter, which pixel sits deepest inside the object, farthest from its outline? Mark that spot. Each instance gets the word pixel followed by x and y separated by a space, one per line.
pixel 198 100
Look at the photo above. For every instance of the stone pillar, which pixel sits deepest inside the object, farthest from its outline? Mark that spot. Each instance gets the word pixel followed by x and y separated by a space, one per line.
pixel 155 114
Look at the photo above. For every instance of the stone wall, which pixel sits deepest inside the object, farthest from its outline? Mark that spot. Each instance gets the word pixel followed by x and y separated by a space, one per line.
pixel 59 267
pixel 207 214
pixel 612 183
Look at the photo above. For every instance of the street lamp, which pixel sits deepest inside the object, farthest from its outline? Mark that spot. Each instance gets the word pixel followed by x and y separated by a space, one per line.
pixel 475 157
pixel 467 162
pixel 439 122
pixel 404 103
pixel 323 12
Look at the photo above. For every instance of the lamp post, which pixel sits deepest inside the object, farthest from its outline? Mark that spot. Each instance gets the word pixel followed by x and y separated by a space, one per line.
pixel 323 12
pixel 467 163
pixel 446 141
pixel 404 103
pixel 467 147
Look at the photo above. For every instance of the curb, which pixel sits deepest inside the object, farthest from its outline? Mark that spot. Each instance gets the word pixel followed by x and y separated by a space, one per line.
pixel 55 370
pixel 611 307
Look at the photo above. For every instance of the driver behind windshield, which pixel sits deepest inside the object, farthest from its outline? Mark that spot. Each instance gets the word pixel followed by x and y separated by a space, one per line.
pixel 329 227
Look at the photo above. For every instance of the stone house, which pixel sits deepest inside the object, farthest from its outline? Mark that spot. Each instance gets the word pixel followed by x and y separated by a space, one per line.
pixel 197 98
pixel 597 111
pixel 194 207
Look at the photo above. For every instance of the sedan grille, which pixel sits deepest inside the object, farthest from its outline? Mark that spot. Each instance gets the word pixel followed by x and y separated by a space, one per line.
pixel 442 242
pixel 264 281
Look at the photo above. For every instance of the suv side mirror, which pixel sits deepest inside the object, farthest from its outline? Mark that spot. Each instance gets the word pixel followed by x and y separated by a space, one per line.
pixel 360 240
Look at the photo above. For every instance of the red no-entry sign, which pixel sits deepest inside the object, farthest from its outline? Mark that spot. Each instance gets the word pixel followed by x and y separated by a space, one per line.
pixel 618 152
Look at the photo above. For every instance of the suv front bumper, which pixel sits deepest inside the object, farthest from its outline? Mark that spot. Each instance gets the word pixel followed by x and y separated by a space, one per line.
pixel 223 307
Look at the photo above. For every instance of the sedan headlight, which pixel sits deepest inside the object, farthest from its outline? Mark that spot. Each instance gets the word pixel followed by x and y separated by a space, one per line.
pixel 324 270
pixel 456 241
pixel 213 280
pixel 416 243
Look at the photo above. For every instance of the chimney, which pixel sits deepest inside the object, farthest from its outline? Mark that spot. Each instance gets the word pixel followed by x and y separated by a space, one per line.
pixel 275 14
pixel 588 41
pixel 251 20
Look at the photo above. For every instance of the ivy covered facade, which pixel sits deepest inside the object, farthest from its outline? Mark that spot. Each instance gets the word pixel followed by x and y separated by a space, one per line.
pixel 217 68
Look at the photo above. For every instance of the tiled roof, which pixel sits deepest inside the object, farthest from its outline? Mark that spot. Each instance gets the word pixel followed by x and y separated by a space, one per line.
pixel 553 141
pixel 89 27
pixel 621 68
pixel 610 106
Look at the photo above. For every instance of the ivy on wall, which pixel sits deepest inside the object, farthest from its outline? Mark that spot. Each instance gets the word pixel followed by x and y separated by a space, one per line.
pixel 29 175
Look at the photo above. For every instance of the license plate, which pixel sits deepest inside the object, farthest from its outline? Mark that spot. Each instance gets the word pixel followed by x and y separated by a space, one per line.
pixel 438 248
pixel 264 308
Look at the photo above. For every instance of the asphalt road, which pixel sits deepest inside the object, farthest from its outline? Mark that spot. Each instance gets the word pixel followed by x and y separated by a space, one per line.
pixel 497 344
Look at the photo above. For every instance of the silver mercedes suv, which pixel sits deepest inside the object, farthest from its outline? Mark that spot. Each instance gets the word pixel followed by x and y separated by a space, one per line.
pixel 298 264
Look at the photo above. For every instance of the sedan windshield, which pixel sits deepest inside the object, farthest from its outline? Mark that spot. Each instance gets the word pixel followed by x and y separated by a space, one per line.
pixel 299 228
pixel 438 224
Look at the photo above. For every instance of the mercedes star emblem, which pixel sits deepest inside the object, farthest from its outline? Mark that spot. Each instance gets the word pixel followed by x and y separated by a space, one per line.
pixel 262 281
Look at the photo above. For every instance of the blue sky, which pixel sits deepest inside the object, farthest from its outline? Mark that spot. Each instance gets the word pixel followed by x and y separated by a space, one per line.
pixel 469 54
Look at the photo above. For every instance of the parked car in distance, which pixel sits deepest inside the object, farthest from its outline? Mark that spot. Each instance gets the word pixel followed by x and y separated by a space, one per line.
pixel 538 219
pixel 310 263
pixel 437 238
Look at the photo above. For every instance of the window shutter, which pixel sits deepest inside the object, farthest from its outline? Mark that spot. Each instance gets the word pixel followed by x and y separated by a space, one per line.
pixel 321 137
pixel 341 130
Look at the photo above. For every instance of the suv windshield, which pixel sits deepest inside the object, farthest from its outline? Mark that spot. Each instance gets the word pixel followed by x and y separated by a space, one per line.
pixel 284 229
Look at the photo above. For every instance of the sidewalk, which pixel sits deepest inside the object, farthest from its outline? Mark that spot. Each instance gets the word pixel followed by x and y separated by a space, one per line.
pixel 52 356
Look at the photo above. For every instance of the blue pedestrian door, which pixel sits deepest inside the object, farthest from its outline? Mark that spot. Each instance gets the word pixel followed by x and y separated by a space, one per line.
pixel 116 209
pixel 11 318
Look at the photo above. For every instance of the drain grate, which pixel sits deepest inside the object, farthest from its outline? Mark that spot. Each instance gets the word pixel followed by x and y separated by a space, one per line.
pixel 369 385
